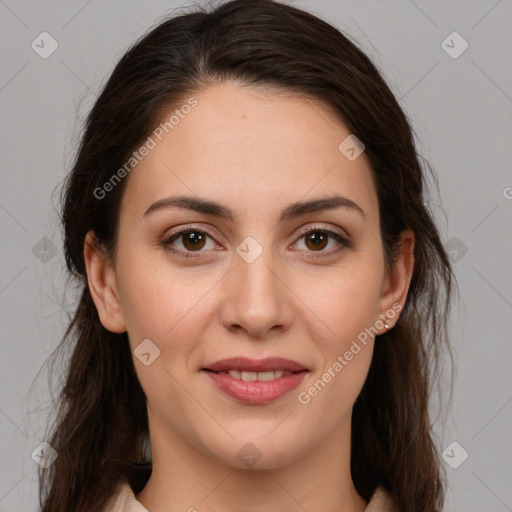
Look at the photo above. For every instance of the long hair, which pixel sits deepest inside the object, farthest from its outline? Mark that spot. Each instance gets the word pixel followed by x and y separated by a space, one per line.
pixel 100 427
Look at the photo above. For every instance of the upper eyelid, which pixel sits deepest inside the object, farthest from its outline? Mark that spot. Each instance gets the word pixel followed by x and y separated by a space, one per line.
pixel 183 229
pixel 339 231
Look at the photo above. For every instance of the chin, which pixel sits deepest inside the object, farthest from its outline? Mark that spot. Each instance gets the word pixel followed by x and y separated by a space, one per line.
pixel 258 451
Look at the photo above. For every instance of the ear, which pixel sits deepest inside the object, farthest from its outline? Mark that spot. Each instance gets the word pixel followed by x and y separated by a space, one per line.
pixel 102 285
pixel 397 280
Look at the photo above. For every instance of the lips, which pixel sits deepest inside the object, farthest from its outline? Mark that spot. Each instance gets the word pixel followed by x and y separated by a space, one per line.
pixel 244 364
pixel 256 381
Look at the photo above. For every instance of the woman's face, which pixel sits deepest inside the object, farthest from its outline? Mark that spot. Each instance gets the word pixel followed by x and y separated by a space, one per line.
pixel 250 283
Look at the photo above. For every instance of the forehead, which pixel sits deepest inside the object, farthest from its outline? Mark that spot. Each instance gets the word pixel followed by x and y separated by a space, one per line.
pixel 250 147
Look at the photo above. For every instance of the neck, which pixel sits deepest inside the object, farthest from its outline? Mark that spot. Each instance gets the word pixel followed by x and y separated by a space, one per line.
pixel 185 478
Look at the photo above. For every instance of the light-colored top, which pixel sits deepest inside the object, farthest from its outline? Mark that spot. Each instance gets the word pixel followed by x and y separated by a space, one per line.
pixel 124 500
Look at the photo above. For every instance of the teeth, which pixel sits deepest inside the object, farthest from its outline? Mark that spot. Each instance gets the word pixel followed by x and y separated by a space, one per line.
pixel 235 374
pixel 266 375
pixel 259 376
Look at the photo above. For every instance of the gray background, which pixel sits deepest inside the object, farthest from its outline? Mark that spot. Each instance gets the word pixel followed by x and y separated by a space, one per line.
pixel 461 111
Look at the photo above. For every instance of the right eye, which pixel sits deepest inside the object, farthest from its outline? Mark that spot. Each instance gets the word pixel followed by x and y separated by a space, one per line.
pixel 192 241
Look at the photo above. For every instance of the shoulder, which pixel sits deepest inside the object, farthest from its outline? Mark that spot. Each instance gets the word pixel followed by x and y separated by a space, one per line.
pixel 381 501
pixel 123 500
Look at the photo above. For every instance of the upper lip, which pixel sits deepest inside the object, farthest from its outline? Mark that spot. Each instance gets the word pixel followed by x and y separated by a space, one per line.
pixel 245 364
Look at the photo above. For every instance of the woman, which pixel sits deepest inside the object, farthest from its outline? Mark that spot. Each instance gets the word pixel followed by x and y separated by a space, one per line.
pixel 264 290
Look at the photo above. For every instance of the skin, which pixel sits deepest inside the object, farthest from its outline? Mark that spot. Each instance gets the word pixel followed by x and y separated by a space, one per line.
pixel 254 150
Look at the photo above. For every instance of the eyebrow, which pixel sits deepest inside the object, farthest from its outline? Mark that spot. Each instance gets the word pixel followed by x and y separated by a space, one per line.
pixel 292 211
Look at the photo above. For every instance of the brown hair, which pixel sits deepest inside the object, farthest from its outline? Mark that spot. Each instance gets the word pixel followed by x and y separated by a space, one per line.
pixel 100 428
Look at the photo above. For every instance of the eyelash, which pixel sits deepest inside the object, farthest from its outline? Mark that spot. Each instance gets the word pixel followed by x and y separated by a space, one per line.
pixel 166 243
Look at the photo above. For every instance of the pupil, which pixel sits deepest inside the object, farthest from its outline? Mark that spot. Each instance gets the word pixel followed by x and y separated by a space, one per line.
pixel 317 237
pixel 192 235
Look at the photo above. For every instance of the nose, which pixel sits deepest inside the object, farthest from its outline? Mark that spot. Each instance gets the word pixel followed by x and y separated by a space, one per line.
pixel 256 297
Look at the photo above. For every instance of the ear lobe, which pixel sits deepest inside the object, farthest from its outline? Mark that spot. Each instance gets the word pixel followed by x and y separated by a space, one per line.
pixel 102 285
pixel 398 279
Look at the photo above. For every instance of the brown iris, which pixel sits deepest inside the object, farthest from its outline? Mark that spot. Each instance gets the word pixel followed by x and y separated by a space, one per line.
pixel 318 239
pixel 193 240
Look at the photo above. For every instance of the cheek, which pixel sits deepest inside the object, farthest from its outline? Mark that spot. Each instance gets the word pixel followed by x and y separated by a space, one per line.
pixel 345 307
pixel 168 307
pixel 346 302
pixel 162 303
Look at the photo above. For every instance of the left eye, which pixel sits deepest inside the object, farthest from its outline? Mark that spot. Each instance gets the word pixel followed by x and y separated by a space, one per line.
pixel 193 240
pixel 317 239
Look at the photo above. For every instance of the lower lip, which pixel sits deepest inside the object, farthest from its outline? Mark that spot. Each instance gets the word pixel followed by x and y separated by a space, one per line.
pixel 256 392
